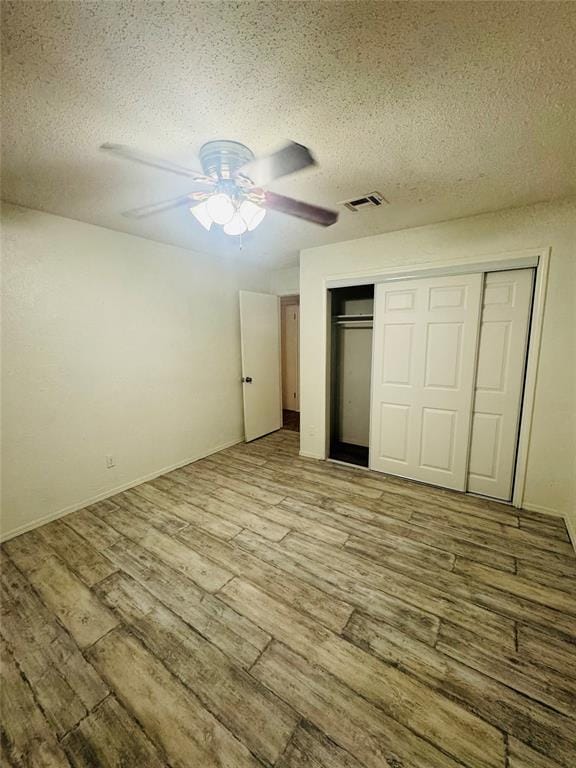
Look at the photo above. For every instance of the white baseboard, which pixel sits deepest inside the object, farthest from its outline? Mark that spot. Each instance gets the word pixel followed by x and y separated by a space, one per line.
pixel 539 508
pixel 111 492
pixel 570 524
pixel 307 455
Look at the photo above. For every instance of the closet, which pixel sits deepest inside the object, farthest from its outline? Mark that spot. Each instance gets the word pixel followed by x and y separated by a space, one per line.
pixel 351 356
pixel 446 360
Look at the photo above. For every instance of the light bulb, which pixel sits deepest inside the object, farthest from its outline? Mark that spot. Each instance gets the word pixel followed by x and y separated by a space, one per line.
pixel 220 208
pixel 252 214
pixel 200 212
pixel 236 225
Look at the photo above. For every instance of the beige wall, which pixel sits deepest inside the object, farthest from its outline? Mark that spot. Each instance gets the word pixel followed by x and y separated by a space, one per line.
pixel 112 344
pixel 285 282
pixel 354 372
pixel 550 484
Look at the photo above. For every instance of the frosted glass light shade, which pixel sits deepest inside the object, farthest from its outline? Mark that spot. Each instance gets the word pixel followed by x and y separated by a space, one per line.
pixel 252 214
pixel 236 225
pixel 200 212
pixel 220 208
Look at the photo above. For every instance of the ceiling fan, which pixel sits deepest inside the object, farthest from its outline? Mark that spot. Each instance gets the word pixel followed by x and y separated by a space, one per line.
pixel 230 191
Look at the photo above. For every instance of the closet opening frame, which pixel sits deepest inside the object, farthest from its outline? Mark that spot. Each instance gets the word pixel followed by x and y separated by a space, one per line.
pixel 537 258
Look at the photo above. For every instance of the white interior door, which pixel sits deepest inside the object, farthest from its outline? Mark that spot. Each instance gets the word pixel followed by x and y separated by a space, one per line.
pixel 290 354
pixel 423 367
pixel 499 382
pixel 260 340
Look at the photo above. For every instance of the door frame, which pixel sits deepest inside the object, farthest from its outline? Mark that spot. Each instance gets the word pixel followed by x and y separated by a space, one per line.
pixel 289 300
pixel 537 258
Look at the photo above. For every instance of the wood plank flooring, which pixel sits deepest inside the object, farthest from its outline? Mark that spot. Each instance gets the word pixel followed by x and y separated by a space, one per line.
pixel 257 608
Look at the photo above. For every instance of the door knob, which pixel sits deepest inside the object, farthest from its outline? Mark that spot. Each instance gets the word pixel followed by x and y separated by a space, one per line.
pixel 247 379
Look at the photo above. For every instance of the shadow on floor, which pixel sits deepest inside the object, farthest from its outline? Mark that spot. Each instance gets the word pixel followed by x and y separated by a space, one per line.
pixel 291 420
pixel 351 454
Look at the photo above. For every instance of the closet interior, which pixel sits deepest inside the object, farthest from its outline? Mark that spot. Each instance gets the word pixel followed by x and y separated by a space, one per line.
pixel 351 355
pixel 427 377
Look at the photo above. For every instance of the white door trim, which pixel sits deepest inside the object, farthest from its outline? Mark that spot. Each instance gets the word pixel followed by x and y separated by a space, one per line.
pixel 536 257
pixel 534 344
pixel 515 260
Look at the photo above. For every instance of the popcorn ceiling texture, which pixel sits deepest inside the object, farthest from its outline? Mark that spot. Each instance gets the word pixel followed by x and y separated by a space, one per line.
pixel 449 109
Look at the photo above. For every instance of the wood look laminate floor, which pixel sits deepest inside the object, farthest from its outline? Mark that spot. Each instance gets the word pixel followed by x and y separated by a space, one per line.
pixel 261 609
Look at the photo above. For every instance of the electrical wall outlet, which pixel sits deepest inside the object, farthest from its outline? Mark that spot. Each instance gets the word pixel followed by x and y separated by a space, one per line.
pixel 110 461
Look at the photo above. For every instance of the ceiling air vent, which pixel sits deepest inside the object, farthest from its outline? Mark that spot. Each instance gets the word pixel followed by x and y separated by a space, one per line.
pixel 371 200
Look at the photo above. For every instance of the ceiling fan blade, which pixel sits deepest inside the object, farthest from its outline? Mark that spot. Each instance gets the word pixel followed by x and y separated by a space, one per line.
pixel 126 153
pixel 165 205
pixel 291 158
pixel 313 213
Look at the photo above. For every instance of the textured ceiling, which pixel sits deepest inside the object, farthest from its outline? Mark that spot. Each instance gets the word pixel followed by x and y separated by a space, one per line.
pixel 448 109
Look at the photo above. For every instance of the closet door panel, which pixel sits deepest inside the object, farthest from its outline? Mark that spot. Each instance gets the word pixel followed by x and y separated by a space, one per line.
pixel 397 353
pixel 393 444
pixel 425 342
pixel 443 355
pixel 499 382
pixel 437 443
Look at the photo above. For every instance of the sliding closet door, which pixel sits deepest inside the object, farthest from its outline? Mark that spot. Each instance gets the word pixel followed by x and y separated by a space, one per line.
pixel 499 382
pixel 425 343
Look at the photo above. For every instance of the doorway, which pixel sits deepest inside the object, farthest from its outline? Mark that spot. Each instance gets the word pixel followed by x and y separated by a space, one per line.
pixel 290 342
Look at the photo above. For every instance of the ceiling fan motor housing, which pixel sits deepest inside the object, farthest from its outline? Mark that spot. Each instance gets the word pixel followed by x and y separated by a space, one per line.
pixel 222 159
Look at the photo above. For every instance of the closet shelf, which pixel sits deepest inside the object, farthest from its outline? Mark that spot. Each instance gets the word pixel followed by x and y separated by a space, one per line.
pixel 347 318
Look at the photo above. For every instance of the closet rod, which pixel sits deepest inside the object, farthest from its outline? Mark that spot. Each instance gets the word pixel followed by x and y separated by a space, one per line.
pixel 355 323
pixel 365 316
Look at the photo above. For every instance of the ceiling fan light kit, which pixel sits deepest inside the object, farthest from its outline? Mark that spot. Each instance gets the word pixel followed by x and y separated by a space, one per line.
pixel 220 208
pixel 235 219
pixel 226 193
pixel 252 214
pixel 236 225
pixel 200 211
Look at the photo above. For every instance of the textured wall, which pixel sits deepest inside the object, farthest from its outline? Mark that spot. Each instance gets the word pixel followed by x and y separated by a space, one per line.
pixel 111 345
pixel 285 282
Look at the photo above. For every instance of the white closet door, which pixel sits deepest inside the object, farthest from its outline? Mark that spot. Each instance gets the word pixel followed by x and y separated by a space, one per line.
pixel 423 366
pixel 499 382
